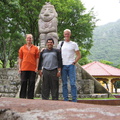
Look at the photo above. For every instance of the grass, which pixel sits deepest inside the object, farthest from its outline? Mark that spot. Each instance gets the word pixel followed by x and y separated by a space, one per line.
pixel 111 98
pixel 97 98
pixel 87 98
pixel 115 93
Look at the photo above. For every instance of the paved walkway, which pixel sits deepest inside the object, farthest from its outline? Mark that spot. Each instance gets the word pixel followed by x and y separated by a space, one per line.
pixel 26 109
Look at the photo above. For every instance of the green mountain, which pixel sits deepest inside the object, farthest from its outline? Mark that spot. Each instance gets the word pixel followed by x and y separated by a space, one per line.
pixel 106 43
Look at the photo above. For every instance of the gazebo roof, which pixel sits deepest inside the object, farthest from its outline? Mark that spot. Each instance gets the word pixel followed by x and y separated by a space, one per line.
pixel 99 69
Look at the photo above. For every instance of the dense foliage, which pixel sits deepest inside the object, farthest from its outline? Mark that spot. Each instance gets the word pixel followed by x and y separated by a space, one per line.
pixel 10 37
pixel 107 43
pixel 20 17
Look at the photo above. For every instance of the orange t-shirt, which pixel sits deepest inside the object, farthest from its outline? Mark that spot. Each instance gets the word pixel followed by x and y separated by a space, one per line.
pixel 29 58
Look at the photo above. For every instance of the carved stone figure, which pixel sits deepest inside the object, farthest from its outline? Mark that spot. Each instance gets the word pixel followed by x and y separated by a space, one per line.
pixel 48 24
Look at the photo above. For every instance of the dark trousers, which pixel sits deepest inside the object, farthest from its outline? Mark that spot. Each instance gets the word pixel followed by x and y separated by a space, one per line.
pixel 50 84
pixel 27 84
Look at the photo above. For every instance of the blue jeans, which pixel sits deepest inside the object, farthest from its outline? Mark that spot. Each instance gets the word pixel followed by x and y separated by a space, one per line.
pixel 69 71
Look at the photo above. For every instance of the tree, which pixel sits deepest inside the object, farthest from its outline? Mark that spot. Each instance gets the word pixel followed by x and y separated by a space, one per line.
pixel 13 57
pixel 106 62
pixel 84 60
pixel 21 16
pixel 118 66
pixel 9 49
pixel 115 86
pixel 8 30
pixel 71 14
pixel 118 82
pixel 27 17
pixel 5 28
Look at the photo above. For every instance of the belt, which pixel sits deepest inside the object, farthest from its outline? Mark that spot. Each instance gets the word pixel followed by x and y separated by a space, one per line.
pixel 50 70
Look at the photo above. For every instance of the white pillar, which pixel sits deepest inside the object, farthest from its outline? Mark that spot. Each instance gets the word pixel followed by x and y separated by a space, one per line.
pixel 110 85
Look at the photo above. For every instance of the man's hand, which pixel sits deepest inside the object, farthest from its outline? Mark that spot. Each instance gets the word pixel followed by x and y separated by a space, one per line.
pixel 40 72
pixel 58 73
pixel 19 70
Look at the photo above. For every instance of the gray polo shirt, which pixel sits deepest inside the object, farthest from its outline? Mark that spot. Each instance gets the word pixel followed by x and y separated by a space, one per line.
pixel 50 59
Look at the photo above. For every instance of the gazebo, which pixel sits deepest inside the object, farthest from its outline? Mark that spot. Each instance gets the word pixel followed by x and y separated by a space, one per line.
pixel 103 73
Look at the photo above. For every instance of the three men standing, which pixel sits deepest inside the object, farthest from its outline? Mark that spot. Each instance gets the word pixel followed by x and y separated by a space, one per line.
pixel 50 67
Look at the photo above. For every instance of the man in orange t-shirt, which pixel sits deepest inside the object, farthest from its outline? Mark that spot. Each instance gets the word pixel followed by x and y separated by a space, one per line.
pixel 28 66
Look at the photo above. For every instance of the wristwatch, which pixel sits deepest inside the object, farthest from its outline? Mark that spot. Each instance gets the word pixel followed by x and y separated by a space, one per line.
pixel 74 63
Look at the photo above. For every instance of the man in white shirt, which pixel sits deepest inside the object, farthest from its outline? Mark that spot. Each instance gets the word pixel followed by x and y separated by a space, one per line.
pixel 70 56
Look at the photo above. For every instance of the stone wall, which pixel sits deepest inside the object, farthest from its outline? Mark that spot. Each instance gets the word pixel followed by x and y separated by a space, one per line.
pixel 86 86
pixel 9 82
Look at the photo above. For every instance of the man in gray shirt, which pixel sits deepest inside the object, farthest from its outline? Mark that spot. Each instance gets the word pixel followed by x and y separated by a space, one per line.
pixel 50 68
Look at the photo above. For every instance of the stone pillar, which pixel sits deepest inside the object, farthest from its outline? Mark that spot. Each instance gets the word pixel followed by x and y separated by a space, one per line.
pixel 110 85
pixel 47 24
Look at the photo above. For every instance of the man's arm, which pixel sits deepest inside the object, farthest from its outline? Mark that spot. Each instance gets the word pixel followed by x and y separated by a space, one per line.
pixel 78 56
pixel 19 64
pixel 37 61
pixel 59 62
pixel 40 64
pixel 59 58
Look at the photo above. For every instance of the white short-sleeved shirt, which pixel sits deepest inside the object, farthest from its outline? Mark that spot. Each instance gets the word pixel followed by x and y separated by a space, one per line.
pixel 68 52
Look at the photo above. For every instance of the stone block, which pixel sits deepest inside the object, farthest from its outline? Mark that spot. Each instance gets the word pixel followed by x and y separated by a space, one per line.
pixel 85 86
pixel 93 95
pixel 9 82
pixel 88 87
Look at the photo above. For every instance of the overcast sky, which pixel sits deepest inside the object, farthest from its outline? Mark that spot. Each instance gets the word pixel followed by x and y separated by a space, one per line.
pixel 105 10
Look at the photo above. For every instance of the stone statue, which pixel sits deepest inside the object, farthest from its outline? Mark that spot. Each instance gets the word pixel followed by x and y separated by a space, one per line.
pixel 48 24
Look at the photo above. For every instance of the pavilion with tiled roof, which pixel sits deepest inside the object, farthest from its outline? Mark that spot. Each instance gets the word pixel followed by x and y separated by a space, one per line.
pixel 103 72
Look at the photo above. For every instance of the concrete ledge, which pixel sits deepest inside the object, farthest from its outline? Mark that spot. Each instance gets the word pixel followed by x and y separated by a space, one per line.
pixel 101 102
pixel 117 96
pixel 104 95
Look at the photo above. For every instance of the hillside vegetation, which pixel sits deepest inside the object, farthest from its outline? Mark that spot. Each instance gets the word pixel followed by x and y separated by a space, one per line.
pixel 106 43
